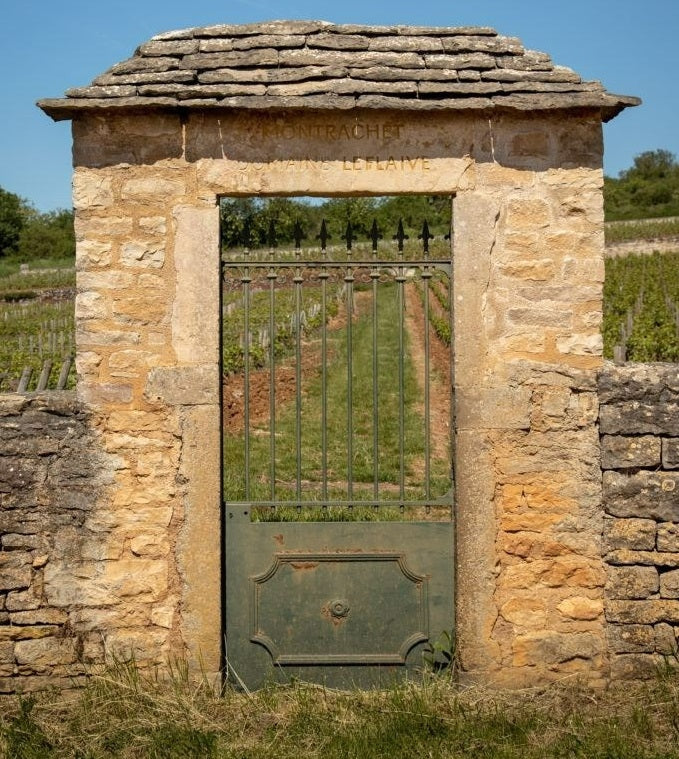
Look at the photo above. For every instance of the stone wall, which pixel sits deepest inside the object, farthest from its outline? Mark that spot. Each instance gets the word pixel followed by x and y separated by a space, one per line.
pixel 51 477
pixel 639 426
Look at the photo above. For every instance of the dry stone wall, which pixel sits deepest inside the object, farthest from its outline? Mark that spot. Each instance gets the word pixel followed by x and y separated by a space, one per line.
pixel 51 477
pixel 639 425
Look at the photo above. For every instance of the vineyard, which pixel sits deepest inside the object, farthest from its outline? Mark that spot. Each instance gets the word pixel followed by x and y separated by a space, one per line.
pixel 641 313
pixel 36 328
pixel 641 308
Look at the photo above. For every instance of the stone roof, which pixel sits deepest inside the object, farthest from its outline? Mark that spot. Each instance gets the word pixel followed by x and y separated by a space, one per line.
pixel 319 65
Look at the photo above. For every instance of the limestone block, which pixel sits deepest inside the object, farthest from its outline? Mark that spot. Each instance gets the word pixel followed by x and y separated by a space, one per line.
pixel 91 305
pixel 44 616
pixel 643 612
pixel 670 453
pixel 92 253
pixel 581 608
pixel 156 225
pixel 91 189
pixel 634 666
pixel 15 570
pixel 623 556
pixel 6 658
pixel 184 385
pixel 525 612
pixel 540 317
pixel 669 584
pixel 631 639
pixel 152 188
pixel 582 344
pixel 22 600
pixel 100 228
pixel 624 451
pixel 163 615
pixel 131 363
pixel 631 582
pixel 146 309
pixel 545 647
pixel 668 537
pixel 104 280
pixel 652 384
pixel 142 255
pixel 11 540
pixel 30 632
pixel 540 270
pixel 195 313
pixel 528 214
pixel 43 654
pixel 110 139
pixel 150 544
pixel 651 495
pixel 145 645
pixel 104 393
pixel 629 533
pixel 493 408
pixel 633 417
pixel 666 639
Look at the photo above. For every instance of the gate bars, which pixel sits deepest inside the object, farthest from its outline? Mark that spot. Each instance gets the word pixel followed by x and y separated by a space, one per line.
pixel 253 274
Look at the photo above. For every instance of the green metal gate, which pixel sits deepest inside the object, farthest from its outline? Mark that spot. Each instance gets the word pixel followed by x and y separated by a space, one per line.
pixel 338 503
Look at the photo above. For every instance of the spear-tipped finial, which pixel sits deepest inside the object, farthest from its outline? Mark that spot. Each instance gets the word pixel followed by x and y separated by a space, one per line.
pixel 425 236
pixel 400 235
pixel 323 235
pixel 298 235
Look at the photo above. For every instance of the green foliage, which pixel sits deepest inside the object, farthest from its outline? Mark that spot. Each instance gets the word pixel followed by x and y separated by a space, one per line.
pixel 649 188
pixel 47 235
pixel 237 214
pixel 24 738
pixel 29 234
pixel 12 213
pixel 642 292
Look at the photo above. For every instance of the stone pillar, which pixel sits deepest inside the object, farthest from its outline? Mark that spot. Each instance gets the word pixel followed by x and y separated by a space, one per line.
pixel 528 277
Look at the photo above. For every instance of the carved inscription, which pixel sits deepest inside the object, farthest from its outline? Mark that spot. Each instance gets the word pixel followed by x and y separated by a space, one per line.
pixel 331 132
pixel 368 159
pixel 380 163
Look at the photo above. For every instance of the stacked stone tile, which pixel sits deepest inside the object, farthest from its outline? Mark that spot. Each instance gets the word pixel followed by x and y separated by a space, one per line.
pixel 639 424
pixel 48 474
pixel 315 64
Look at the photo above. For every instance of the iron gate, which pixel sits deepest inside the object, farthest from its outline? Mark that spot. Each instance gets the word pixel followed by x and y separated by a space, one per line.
pixel 337 484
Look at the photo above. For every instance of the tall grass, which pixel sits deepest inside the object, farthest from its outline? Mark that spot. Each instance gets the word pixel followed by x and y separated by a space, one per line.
pixel 641 229
pixel 124 713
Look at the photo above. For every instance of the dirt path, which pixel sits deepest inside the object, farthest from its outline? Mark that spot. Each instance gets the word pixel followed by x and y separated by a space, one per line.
pixel 439 375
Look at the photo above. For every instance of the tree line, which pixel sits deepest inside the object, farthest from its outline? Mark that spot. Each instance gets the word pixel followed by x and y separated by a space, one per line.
pixel 648 189
pixel 28 234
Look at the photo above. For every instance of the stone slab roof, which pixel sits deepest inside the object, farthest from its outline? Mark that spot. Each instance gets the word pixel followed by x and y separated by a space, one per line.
pixel 319 65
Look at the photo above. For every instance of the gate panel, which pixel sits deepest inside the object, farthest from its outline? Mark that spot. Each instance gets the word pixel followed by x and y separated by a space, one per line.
pixel 338 484
pixel 339 603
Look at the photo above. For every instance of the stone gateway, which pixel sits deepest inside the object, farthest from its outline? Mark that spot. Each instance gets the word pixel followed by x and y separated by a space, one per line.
pixel 313 108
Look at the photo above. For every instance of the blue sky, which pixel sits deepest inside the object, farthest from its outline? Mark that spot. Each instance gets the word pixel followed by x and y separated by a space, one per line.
pixel 631 46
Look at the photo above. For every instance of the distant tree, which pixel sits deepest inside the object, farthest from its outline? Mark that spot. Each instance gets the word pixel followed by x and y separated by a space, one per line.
pixel 12 215
pixel 47 235
pixel 649 188
pixel 359 211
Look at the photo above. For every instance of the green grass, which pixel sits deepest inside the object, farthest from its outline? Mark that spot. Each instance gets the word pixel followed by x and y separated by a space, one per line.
pixel 33 329
pixel 124 713
pixel 642 229
pixel 337 405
